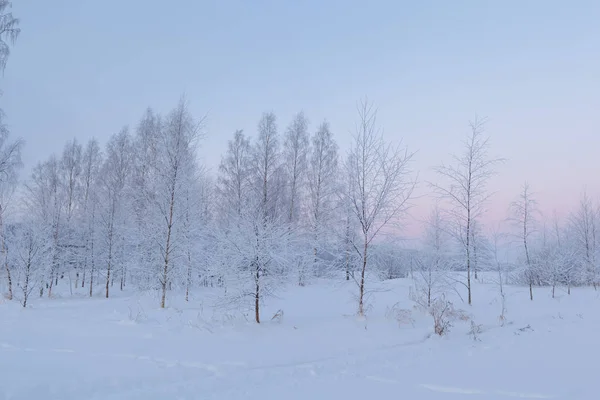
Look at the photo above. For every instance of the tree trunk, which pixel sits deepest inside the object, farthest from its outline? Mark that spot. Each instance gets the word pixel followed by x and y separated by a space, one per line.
pixel 187 286
pixel 92 268
pixel 530 290
pixel 168 245
pixel 5 253
pixel 107 280
pixel 109 265
pixel 257 294
pixel 26 284
pixel 91 282
pixel 361 295
pixel 469 254
pixel 347 256
pixel 474 254
pixel 51 284
pixel 429 290
pixel 10 291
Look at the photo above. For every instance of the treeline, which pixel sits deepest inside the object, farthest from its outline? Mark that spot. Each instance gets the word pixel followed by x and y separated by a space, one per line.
pixel 143 212
pixel 284 207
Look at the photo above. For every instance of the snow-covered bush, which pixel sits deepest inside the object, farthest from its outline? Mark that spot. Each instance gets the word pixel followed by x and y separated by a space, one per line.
pixel 444 313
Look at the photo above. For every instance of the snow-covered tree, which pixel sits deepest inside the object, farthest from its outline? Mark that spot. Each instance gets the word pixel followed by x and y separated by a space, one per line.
pixel 585 229
pixel 234 175
pixel 466 188
pixel 323 186
pixel 10 164
pixel 70 182
pixel 435 261
pixel 523 214
pixel 143 196
pixel 9 31
pixel 295 151
pixel 91 164
pixel 174 169
pixel 27 249
pixel 113 183
pixel 255 251
pixel 379 185
pixel 43 201
pixel 266 165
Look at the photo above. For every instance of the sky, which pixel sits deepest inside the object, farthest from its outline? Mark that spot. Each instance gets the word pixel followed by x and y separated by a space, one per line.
pixel 86 68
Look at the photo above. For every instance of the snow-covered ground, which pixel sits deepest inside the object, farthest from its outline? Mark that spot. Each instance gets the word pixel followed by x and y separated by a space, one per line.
pixel 126 348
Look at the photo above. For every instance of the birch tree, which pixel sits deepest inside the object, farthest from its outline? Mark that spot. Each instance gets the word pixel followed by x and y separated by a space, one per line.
pixel 92 162
pixel 144 195
pixel 114 177
pixel 256 229
pixel 380 185
pixel 10 164
pixel 27 247
pixel 44 202
pixel 466 188
pixel 295 159
pixel 500 267
pixel 234 174
pixel 322 183
pixel 253 250
pixel 523 212
pixel 434 262
pixel 70 173
pixel 175 163
pixel 9 31
pixel 585 224
pixel 265 163
pixel 10 153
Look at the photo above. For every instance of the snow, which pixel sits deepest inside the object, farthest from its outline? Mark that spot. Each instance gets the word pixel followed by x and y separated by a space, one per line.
pixel 126 348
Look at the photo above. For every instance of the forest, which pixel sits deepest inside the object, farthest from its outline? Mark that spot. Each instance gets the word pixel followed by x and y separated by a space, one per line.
pixel 285 207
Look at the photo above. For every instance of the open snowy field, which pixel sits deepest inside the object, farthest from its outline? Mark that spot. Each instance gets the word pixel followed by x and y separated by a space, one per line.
pixel 126 348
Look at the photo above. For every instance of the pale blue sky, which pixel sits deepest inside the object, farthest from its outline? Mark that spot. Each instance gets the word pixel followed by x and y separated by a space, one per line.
pixel 84 68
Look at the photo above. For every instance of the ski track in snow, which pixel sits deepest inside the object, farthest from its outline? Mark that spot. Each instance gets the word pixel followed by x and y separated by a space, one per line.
pixel 168 363
pixel 241 367
pixel 447 389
